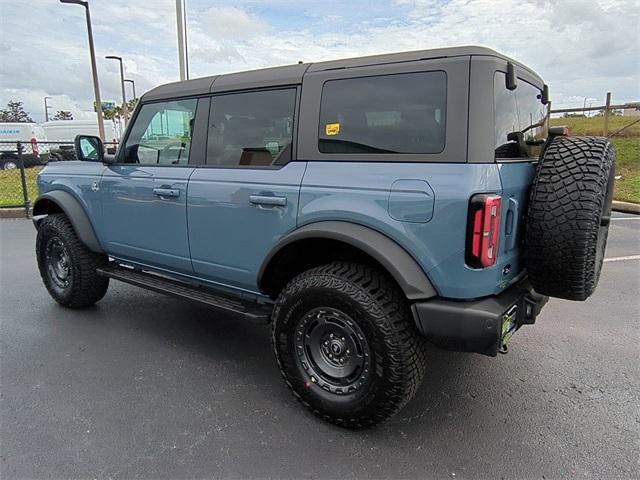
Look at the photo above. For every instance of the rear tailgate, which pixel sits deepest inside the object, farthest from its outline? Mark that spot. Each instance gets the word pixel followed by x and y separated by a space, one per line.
pixel 516 178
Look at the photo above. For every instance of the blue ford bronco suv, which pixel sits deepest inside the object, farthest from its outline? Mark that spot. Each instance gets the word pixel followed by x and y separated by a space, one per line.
pixel 361 206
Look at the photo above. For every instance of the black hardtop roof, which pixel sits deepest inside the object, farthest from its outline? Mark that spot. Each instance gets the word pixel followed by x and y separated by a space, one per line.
pixel 292 74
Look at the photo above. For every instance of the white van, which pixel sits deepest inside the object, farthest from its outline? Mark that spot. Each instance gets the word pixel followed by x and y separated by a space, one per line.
pixel 31 135
pixel 66 130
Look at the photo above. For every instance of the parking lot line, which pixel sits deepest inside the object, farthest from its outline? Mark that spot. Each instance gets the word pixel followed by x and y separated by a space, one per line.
pixel 622 259
pixel 617 219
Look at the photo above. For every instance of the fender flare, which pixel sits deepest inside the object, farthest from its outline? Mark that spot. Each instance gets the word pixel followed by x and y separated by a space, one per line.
pixel 74 212
pixel 396 260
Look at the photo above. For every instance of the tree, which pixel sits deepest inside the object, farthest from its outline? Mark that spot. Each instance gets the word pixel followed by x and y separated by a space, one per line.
pixel 131 105
pixel 113 113
pixel 63 115
pixel 15 113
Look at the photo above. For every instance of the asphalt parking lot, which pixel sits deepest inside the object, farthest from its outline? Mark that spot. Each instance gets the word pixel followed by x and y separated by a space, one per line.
pixel 146 386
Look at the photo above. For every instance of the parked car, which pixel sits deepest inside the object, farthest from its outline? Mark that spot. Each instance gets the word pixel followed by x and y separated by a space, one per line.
pixel 30 135
pixel 65 131
pixel 361 206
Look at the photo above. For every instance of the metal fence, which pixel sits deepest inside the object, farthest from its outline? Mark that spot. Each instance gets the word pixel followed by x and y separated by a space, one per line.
pixel 13 177
pixel 20 163
pixel 626 115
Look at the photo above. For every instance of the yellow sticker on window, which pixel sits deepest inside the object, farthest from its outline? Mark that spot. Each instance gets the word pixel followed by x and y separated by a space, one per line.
pixel 332 129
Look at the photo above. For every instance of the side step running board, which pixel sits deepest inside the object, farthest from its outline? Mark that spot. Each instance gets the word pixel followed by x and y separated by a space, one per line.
pixel 223 303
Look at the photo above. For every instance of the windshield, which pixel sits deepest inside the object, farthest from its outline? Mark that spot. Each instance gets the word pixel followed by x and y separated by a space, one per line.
pixel 519 110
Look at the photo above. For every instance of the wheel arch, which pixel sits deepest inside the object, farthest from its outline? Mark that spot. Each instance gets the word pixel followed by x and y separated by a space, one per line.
pixel 64 202
pixel 322 242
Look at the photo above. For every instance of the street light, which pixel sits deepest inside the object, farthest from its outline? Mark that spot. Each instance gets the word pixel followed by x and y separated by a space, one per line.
pixel 182 60
pixel 125 110
pixel 133 85
pixel 46 109
pixel 94 68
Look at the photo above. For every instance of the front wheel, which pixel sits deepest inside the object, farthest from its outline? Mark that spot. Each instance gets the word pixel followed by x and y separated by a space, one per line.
pixel 346 345
pixel 67 266
pixel 8 165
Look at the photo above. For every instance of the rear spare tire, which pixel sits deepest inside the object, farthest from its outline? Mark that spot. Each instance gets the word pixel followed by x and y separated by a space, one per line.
pixel 568 216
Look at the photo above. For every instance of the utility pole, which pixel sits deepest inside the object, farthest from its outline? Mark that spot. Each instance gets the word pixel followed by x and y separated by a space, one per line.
pixel 181 52
pixel 46 109
pixel 94 68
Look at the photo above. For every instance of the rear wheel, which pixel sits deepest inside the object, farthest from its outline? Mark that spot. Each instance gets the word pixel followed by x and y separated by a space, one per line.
pixel 67 266
pixel 568 217
pixel 346 344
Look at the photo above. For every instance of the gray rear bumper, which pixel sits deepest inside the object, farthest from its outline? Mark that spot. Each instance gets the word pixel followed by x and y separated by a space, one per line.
pixel 477 325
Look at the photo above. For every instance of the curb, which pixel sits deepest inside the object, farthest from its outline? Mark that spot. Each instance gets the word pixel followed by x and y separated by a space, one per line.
pixel 13 213
pixel 626 207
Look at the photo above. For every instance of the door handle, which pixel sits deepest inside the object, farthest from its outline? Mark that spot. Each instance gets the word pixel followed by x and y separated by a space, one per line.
pixel 166 192
pixel 268 200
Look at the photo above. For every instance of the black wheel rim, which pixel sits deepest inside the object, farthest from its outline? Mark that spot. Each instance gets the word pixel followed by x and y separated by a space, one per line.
pixel 58 263
pixel 332 350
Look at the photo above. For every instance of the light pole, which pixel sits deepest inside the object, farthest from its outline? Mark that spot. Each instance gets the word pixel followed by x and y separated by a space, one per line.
pixel 133 85
pixel 46 109
pixel 125 110
pixel 182 39
pixel 94 68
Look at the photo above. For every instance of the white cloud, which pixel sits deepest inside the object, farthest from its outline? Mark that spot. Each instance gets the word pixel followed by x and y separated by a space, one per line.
pixel 34 102
pixel 580 48
pixel 232 23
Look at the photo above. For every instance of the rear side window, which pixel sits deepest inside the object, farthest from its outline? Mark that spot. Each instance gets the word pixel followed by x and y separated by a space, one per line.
pixel 402 113
pixel 251 128
pixel 518 110
pixel 161 134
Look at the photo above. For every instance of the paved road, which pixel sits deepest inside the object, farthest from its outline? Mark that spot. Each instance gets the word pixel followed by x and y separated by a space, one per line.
pixel 145 386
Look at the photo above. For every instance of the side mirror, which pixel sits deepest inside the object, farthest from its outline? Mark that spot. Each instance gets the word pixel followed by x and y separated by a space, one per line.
pixel 545 94
pixel 89 148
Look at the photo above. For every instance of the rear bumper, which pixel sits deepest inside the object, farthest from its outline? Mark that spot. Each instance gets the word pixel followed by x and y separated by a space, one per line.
pixel 481 326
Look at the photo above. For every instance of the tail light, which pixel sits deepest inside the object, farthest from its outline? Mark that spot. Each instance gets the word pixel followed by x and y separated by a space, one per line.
pixel 34 146
pixel 483 230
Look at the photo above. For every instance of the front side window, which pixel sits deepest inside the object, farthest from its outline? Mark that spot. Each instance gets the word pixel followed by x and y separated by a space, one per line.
pixel 401 113
pixel 161 134
pixel 518 111
pixel 251 128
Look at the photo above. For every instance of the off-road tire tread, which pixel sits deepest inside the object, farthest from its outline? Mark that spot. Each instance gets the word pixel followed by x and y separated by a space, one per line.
pixel 87 286
pixel 566 203
pixel 386 305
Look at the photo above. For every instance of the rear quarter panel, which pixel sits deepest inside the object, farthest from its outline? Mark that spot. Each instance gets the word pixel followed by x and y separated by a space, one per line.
pixel 359 192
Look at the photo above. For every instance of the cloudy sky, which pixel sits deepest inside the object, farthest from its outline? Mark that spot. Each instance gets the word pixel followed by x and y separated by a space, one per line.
pixel 582 48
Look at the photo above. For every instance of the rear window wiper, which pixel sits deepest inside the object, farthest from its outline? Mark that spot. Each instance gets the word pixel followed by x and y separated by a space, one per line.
pixel 518 135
